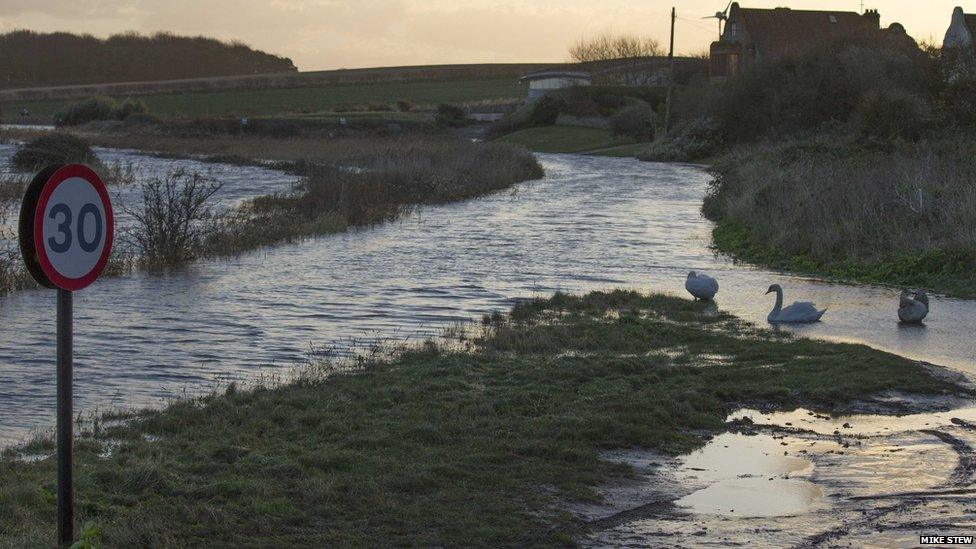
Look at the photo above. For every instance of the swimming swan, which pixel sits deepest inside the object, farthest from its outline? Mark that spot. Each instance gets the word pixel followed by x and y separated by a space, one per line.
pixel 801 311
pixel 913 307
pixel 701 286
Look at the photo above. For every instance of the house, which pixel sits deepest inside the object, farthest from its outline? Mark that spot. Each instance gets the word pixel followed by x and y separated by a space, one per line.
pixel 634 71
pixel 543 82
pixel 752 35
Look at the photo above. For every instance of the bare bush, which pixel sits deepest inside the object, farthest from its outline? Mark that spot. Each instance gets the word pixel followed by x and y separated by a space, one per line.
pixel 176 215
pixel 609 46
pixel 635 121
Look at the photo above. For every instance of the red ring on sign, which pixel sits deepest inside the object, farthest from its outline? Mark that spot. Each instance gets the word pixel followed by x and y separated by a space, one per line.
pixel 59 177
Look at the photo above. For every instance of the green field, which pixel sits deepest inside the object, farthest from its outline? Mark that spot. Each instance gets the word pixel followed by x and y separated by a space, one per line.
pixel 564 139
pixel 305 100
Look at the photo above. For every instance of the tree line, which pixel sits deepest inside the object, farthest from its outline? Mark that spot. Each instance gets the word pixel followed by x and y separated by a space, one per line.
pixel 29 59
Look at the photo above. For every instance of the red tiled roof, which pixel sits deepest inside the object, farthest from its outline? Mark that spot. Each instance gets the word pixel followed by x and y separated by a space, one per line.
pixel 782 29
pixel 971 23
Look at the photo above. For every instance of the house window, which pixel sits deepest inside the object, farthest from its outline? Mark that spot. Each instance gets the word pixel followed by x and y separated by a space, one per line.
pixel 833 18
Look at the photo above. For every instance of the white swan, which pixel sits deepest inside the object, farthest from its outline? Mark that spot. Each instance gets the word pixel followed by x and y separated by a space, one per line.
pixel 913 307
pixel 801 311
pixel 701 286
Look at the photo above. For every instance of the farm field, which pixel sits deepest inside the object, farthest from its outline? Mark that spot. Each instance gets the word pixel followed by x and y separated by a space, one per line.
pixel 304 100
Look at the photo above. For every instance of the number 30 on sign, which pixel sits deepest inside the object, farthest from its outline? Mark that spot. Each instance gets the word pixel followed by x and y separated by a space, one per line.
pixel 66 227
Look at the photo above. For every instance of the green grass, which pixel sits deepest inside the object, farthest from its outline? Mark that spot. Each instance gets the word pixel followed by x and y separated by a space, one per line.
pixel 306 100
pixel 936 270
pixel 563 139
pixel 436 447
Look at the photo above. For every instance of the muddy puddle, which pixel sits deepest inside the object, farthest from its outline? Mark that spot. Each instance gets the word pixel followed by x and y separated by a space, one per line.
pixel 799 479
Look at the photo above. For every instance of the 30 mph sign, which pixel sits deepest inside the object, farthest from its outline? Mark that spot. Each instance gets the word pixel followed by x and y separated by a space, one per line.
pixel 66 227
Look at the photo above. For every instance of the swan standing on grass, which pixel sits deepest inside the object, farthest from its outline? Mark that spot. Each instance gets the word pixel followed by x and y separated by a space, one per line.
pixel 701 286
pixel 914 307
pixel 801 311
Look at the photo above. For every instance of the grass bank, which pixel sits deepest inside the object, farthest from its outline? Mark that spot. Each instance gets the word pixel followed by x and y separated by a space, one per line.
pixel 904 214
pixel 439 447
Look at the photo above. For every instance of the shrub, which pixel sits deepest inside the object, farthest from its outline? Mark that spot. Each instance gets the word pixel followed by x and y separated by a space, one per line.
pixel 545 110
pixel 958 103
pixel 697 140
pixel 130 107
pixel 174 218
pixel 450 116
pixel 53 148
pixel 403 105
pixel 99 108
pixel 884 116
pixel 805 90
pixel 635 121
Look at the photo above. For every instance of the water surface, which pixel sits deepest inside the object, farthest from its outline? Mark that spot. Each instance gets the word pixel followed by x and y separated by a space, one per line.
pixel 592 223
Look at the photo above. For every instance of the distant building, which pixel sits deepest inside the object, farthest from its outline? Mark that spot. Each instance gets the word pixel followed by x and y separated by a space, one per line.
pixel 635 71
pixel 543 82
pixel 753 35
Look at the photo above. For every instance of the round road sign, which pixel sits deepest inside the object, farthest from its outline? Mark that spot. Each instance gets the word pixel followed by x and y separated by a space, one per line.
pixel 66 227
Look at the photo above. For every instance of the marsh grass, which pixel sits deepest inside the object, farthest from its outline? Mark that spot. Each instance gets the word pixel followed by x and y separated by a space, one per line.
pixel 904 214
pixel 434 447
pixel 362 182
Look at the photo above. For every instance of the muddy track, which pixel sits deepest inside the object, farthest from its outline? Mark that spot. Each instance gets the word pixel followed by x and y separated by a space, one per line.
pixel 958 483
pixel 962 475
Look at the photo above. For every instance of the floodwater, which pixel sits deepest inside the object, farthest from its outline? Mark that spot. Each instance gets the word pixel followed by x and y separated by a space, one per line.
pixel 799 480
pixel 592 223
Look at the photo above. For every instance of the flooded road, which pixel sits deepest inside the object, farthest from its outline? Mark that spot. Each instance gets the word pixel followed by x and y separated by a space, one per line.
pixel 593 223
pixel 799 479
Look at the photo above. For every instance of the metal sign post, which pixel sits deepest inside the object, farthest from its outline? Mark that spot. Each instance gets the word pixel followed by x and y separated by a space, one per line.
pixel 66 232
pixel 65 413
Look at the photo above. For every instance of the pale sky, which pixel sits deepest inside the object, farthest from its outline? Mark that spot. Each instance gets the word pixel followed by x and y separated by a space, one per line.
pixel 328 34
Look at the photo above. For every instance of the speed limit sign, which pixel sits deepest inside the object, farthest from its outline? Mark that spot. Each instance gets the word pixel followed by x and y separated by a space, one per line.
pixel 66 227
pixel 66 230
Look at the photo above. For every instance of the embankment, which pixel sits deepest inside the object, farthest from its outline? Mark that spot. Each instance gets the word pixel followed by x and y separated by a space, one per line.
pixel 903 214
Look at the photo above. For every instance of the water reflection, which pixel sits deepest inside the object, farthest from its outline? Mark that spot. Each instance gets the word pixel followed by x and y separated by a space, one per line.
pixel 593 223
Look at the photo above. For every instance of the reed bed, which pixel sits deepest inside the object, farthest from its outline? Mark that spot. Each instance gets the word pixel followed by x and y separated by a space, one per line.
pixel 361 182
pixel 905 214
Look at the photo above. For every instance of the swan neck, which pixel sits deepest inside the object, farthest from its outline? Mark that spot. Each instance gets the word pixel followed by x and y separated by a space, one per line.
pixel 779 301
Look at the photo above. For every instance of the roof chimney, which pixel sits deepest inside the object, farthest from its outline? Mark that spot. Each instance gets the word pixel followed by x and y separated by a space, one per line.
pixel 874 17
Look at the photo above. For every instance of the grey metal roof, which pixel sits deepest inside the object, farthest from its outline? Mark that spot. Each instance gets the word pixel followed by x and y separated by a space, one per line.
pixel 556 74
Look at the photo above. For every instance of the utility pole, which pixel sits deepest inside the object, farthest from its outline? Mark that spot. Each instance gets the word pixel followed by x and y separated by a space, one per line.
pixel 667 108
